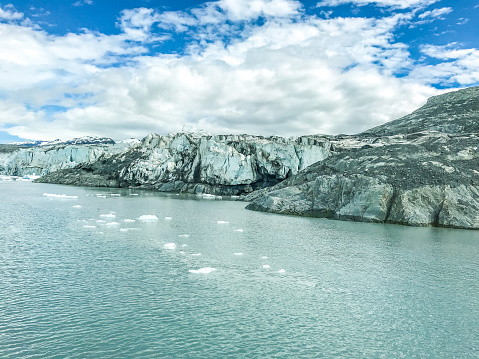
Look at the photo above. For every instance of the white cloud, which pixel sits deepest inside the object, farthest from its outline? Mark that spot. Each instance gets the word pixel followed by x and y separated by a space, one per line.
pixel 9 13
pixel 295 74
pixel 459 66
pixel 398 4
pixel 83 2
pixel 436 13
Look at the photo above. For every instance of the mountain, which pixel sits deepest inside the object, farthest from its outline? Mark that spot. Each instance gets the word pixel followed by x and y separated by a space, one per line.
pixel 421 170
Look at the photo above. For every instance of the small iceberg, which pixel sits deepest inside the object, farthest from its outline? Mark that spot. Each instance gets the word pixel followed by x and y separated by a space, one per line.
pixel 196 254
pixel 62 196
pixel 204 270
pixel 110 215
pixel 100 221
pixel 169 246
pixel 112 224
pixel 238 254
pixel 133 194
pixel 129 220
pixel 184 235
pixel 222 222
pixel 168 218
pixel 89 226
pixel 124 229
pixel 184 245
pixel 281 271
pixel 266 266
pixel 77 206
pixel 264 257
pixel 239 230
pixel 148 218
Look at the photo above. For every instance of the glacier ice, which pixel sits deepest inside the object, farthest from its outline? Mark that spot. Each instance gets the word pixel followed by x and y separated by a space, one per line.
pixel 204 270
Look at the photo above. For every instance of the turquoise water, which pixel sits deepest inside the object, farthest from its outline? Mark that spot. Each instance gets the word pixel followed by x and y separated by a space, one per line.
pixel 332 289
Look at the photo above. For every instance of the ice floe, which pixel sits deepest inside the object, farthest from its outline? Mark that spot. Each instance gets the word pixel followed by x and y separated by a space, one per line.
pixel 196 254
pixel 129 220
pixel 112 224
pixel 148 218
pixel 238 230
pixel 86 226
pixel 100 221
pixel 238 254
pixel 281 271
pixel 209 196
pixel 124 229
pixel 170 246
pixel 222 222
pixel 264 257
pixel 77 206
pixel 266 266
pixel 184 245
pixel 204 270
pixel 184 235
pixel 109 215
pixel 168 218
pixel 115 195
pixel 133 194
pixel 62 196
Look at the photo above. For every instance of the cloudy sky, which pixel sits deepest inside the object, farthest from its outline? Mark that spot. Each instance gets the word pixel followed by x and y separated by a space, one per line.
pixel 126 68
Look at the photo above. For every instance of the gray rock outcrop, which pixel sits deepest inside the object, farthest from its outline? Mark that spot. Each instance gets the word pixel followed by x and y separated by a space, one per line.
pixel 425 178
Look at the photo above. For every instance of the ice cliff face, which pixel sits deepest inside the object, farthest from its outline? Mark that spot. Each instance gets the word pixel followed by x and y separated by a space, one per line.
pixel 45 157
pixel 196 163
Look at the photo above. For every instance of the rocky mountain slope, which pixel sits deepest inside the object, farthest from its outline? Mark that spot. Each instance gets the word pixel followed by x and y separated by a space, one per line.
pixel 422 169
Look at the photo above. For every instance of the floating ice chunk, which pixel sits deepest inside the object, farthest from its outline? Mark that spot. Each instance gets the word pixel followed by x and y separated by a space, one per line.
pixel 266 266
pixel 281 271
pixel 184 235
pixel 222 222
pixel 209 196
pixel 100 221
pixel 148 218
pixel 169 246
pixel 238 230
pixel 196 254
pixel 184 245
pixel 134 229
pixel 204 270
pixel 129 220
pixel 62 196
pixel 133 194
pixel 115 195
pixel 238 254
pixel 109 215
pixel 77 206
pixel 219 197
pixel 264 257
pixel 112 224
pixel 89 226
pixel 102 196
pixel 123 229
pixel 168 218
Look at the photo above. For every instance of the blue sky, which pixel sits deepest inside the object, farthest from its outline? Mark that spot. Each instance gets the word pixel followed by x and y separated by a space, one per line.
pixel 123 68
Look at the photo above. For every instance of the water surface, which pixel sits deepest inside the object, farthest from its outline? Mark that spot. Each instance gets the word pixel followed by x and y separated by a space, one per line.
pixel 284 287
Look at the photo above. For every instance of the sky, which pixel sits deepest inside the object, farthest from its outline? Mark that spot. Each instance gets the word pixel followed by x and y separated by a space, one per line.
pixel 123 69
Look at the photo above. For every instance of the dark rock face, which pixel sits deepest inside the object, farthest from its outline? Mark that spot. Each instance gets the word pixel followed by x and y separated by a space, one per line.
pixel 422 178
